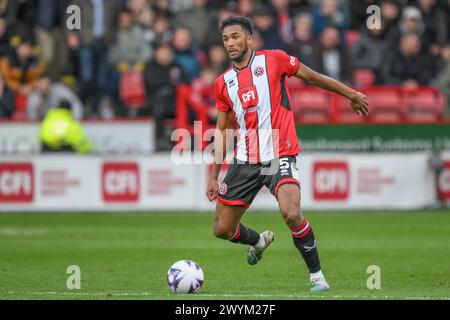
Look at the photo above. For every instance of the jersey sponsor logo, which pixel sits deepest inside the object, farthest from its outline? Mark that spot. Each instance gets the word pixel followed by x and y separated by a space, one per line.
pixel 223 188
pixel 292 61
pixel 331 180
pixel 248 97
pixel 259 71
pixel 120 182
pixel 444 182
pixel 16 182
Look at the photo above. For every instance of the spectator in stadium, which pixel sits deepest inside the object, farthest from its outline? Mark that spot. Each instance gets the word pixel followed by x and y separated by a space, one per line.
pixel 203 90
pixel 412 22
pixel 20 15
pixel 370 50
pixel 186 53
pixel 214 36
pixel 50 34
pixel 303 40
pixel 7 100
pixel 330 57
pixel 162 8
pixel 196 19
pixel 217 58
pixel 60 132
pixel 95 36
pixel 129 49
pixel 162 76
pixel 444 79
pixel 141 12
pixel 245 7
pixel 20 70
pixel 48 95
pixel 4 37
pixel 446 8
pixel 159 33
pixel 267 28
pixel 390 15
pixel 436 24
pixel 408 66
pixel 283 19
pixel 329 14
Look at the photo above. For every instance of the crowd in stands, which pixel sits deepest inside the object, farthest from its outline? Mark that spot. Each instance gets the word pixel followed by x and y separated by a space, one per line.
pixel 130 56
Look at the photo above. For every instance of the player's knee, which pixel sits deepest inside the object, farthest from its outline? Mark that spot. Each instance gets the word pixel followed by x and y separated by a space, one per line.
pixel 222 232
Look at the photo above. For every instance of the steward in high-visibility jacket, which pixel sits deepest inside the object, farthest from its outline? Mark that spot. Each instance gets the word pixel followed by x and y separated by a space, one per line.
pixel 61 132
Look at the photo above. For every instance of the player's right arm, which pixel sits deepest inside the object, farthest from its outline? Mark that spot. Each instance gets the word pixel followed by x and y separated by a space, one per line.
pixel 224 122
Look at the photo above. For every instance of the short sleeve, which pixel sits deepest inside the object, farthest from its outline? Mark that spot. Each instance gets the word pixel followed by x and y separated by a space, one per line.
pixel 221 102
pixel 288 64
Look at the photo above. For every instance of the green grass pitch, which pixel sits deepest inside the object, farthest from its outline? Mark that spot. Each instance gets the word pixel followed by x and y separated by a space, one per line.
pixel 127 255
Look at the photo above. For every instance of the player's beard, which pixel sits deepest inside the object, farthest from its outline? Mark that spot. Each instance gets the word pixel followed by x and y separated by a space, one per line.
pixel 241 57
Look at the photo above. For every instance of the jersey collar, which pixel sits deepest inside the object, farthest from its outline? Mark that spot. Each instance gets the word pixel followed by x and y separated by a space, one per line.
pixel 248 64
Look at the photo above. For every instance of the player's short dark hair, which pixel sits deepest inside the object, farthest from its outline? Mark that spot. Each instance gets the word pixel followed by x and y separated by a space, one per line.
pixel 244 22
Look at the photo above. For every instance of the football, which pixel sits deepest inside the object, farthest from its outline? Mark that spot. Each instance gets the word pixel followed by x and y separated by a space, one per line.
pixel 185 276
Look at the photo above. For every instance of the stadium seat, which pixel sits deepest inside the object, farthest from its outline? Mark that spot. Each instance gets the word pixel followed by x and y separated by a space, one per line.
pixel 351 36
pixel 294 83
pixel 364 77
pixel 386 104
pixel 345 112
pixel 311 105
pixel 424 105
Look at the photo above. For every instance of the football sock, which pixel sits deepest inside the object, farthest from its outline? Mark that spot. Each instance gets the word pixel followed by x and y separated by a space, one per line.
pixel 245 235
pixel 305 242
pixel 316 275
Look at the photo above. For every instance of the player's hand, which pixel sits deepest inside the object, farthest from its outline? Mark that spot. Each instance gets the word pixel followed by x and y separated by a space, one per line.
pixel 213 188
pixel 359 103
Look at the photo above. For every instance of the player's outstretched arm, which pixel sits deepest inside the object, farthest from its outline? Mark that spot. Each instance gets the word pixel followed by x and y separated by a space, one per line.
pixel 224 121
pixel 357 99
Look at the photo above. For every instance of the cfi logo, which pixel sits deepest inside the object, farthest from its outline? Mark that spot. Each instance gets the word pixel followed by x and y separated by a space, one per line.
pixel 223 188
pixel 258 72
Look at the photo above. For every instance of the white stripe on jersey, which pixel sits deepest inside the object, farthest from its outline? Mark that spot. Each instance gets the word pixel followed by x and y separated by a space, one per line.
pixel 261 83
pixel 232 89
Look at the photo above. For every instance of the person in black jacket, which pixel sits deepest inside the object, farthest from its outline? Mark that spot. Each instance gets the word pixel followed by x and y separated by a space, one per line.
pixel 409 65
pixel 162 76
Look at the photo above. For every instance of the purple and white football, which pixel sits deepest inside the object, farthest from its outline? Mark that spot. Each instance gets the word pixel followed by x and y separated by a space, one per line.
pixel 185 276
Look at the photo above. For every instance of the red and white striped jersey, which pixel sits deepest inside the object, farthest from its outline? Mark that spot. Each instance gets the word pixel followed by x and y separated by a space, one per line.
pixel 260 102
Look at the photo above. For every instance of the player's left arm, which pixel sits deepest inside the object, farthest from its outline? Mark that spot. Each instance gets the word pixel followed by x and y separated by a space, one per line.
pixel 357 99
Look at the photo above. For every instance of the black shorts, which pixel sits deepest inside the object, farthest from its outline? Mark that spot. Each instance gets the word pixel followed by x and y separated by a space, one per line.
pixel 244 180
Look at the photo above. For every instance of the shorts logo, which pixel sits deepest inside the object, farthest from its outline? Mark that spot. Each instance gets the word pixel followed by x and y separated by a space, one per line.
pixel 258 72
pixel 331 180
pixel 223 188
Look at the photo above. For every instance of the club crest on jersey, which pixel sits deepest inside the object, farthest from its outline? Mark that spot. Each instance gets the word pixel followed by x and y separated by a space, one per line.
pixel 258 72
pixel 223 188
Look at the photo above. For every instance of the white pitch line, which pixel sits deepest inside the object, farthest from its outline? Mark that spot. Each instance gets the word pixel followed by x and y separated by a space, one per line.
pixel 126 294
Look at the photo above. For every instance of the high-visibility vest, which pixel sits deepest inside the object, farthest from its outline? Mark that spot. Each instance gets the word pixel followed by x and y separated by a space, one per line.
pixel 60 129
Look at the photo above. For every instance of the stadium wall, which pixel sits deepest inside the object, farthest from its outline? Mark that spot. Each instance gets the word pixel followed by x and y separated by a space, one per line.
pixel 335 181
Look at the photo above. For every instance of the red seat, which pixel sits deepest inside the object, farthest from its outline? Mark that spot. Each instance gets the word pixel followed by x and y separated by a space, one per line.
pixel 345 111
pixel 424 105
pixel 364 77
pixel 132 89
pixel 386 104
pixel 311 105
pixel 294 83
pixel 351 36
